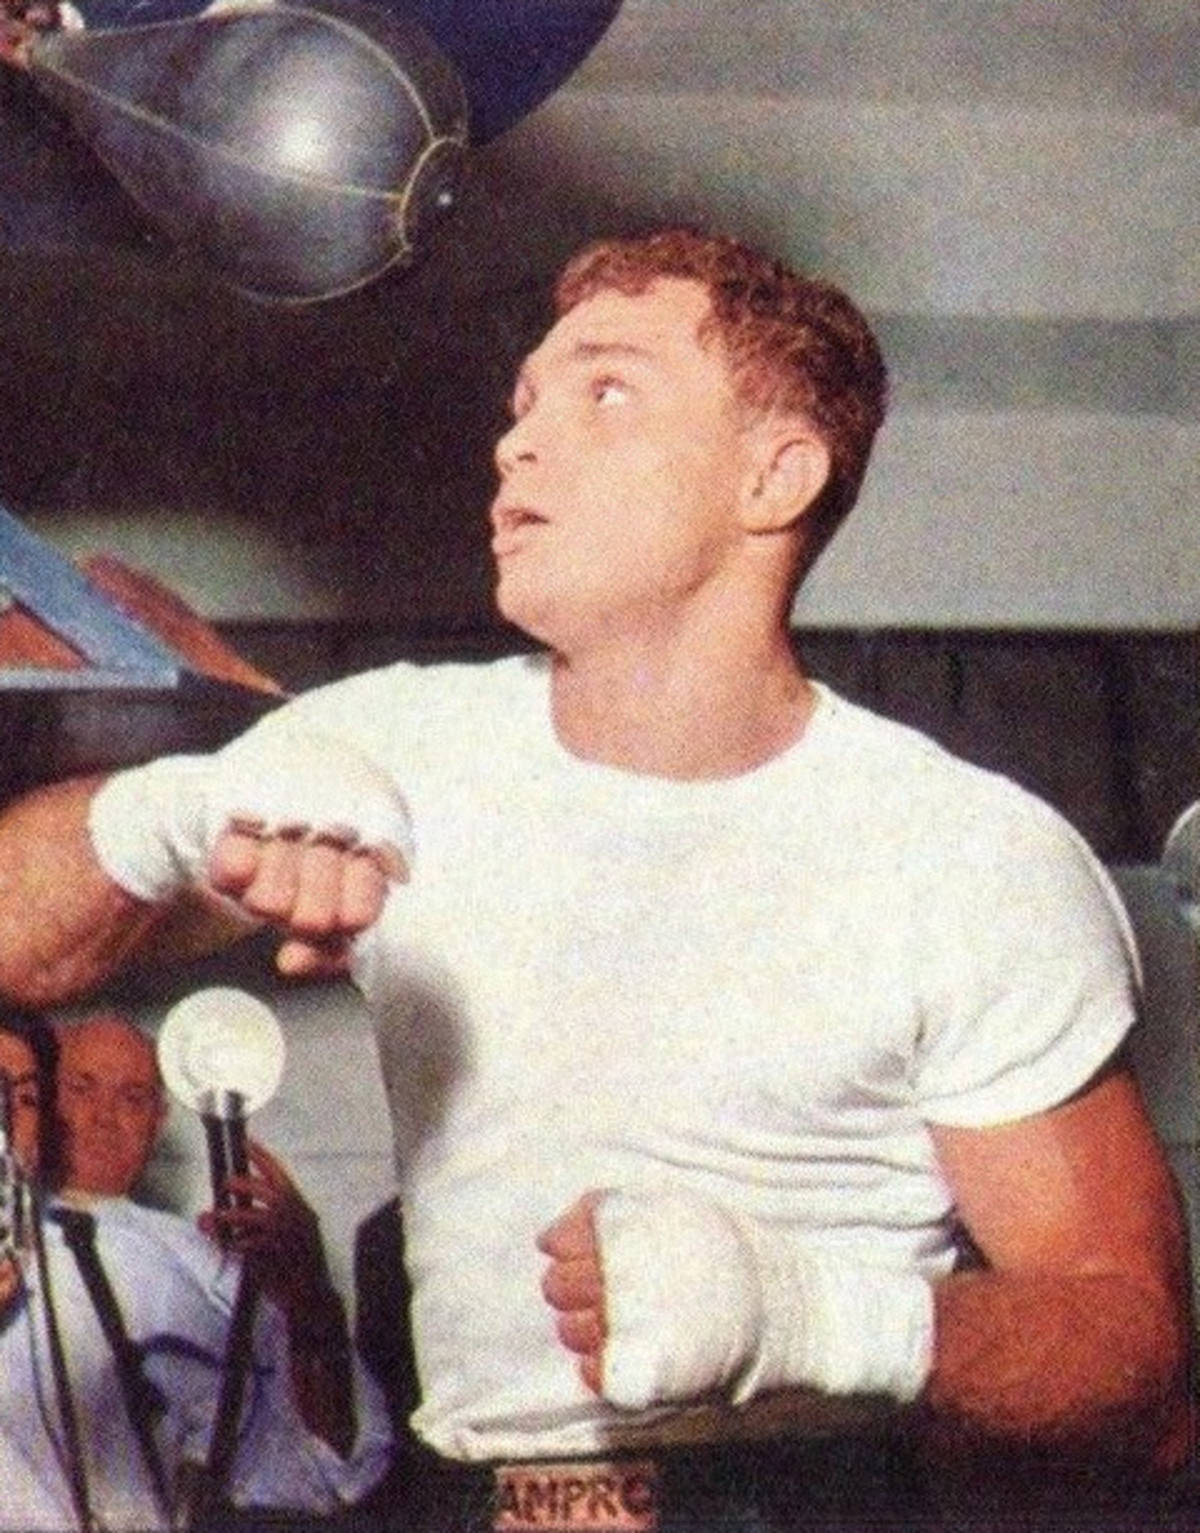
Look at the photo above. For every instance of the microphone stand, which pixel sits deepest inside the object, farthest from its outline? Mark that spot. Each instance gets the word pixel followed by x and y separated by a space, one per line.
pixel 223 1116
pixel 21 1229
pixel 73 1443
pixel 14 1189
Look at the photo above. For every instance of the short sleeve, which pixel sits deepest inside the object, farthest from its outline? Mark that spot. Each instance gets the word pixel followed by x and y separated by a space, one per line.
pixel 1029 970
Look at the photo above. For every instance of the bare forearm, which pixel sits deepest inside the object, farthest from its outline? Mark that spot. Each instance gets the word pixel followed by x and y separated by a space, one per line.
pixel 64 926
pixel 1081 1363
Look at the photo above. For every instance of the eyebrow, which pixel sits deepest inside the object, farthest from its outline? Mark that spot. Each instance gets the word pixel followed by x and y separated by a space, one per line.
pixel 584 351
pixel 83 1073
pixel 587 350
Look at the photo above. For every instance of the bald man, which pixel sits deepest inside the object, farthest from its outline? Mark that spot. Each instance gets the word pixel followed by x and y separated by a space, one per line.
pixel 142 1302
pixel 110 1102
pixel 112 1108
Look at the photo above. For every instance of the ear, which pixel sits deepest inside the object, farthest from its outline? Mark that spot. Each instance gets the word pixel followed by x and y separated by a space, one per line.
pixel 790 472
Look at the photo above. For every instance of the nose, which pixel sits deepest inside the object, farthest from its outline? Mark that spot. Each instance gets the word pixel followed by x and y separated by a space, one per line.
pixel 104 1113
pixel 515 446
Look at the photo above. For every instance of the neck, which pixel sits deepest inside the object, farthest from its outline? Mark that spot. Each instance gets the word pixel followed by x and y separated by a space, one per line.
pixel 679 710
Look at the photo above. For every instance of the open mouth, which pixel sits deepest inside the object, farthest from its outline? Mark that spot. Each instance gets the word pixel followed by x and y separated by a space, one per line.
pixel 511 525
pixel 516 516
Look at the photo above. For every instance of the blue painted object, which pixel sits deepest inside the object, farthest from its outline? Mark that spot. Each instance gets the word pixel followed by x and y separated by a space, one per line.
pixel 120 652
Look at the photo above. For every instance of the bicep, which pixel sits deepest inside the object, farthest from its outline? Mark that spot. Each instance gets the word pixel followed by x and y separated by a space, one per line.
pixel 1081 1189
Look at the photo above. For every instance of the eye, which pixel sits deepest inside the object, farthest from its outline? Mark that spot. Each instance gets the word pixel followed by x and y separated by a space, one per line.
pixel 607 390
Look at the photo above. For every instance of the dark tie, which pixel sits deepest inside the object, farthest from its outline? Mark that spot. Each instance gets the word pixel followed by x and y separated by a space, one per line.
pixel 143 1401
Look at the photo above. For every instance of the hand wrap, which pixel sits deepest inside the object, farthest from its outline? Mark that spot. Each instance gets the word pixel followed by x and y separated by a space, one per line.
pixel 699 1300
pixel 153 828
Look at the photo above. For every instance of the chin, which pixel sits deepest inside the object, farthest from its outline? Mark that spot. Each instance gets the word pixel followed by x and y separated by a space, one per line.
pixel 107 1180
pixel 561 620
pixel 525 609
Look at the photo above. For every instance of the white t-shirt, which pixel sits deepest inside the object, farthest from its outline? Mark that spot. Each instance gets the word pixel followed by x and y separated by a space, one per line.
pixel 758 988
pixel 175 1293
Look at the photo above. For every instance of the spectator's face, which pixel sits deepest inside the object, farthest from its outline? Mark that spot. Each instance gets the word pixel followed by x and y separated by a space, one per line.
pixel 110 1103
pixel 17 1066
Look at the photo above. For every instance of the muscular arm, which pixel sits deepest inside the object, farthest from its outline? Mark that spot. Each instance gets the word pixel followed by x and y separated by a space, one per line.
pixel 64 926
pixel 1076 1334
pixel 1073 1340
